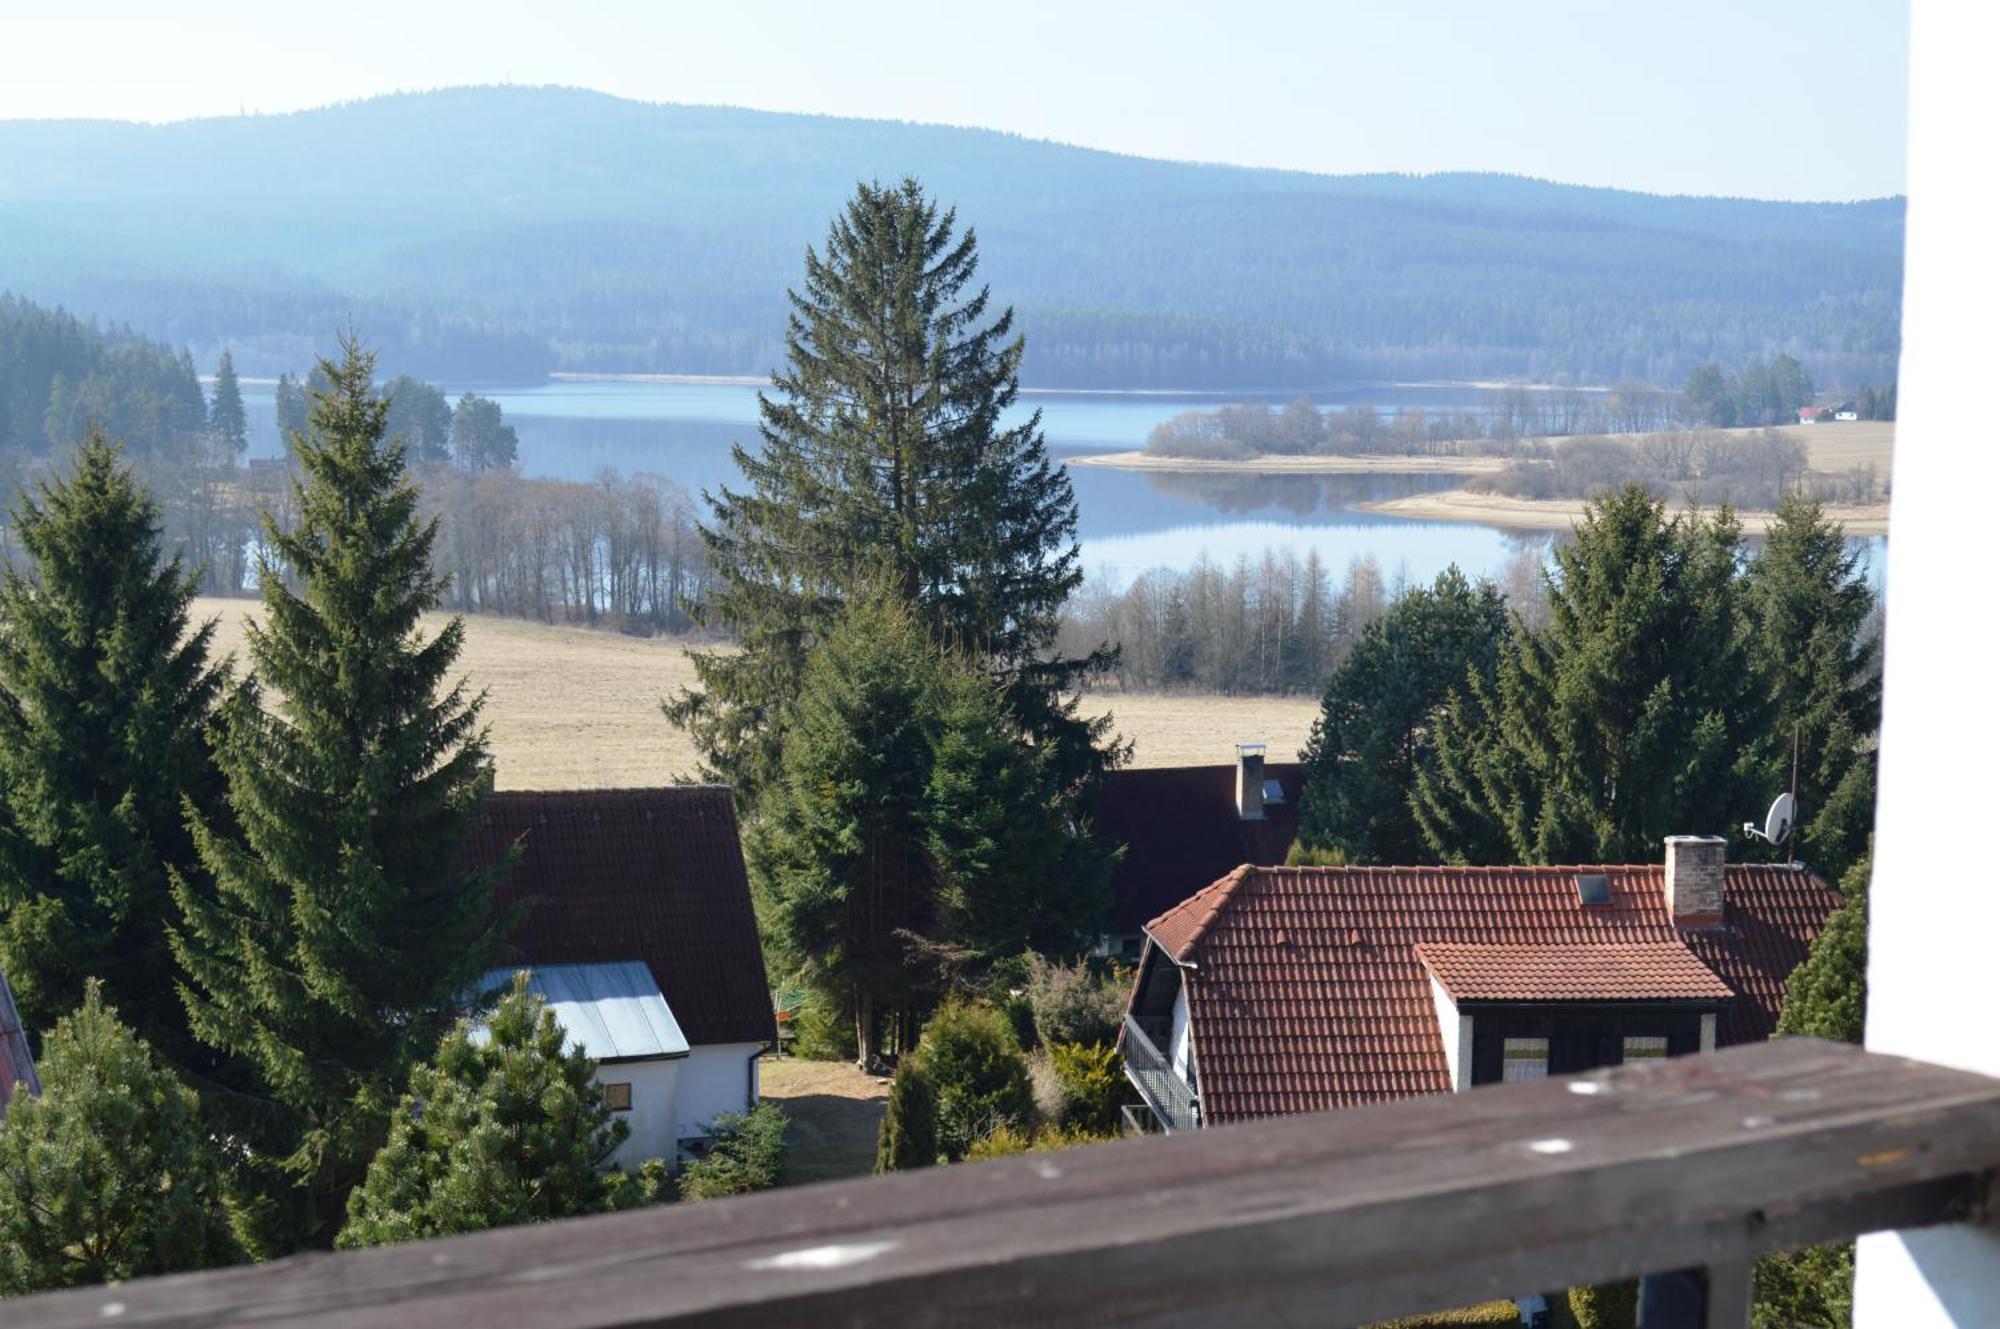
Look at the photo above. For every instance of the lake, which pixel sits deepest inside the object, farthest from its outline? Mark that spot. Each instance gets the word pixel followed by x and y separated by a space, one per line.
pixel 1128 521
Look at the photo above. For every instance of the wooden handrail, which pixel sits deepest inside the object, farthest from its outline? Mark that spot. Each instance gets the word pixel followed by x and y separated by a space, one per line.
pixel 1334 1219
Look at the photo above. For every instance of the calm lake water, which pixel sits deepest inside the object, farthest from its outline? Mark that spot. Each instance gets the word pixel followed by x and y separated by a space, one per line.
pixel 1129 521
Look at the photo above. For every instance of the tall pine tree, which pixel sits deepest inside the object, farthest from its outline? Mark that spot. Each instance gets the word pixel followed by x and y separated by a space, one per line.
pixel 884 458
pixel 1810 608
pixel 1633 715
pixel 105 694
pixel 1374 728
pixel 341 934
pixel 225 408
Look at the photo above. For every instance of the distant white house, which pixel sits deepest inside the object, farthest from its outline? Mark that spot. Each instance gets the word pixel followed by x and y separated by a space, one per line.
pixel 617 1016
pixel 636 925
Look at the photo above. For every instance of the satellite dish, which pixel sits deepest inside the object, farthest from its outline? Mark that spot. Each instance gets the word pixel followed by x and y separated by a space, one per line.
pixel 1777 822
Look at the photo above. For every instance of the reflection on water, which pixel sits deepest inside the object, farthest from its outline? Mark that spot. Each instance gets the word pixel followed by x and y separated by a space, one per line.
pixel 1129 521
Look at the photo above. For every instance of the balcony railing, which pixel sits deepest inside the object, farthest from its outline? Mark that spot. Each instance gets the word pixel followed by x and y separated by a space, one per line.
pixel 1334 1220
pixel 1166 1093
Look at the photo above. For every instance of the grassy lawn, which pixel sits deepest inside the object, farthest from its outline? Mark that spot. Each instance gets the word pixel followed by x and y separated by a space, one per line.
pixel 835 1112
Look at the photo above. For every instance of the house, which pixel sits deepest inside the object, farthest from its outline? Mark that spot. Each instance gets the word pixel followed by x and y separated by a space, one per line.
pixel 1812 415
pixel 1846 411
pixel 1184 826
pixel 17 1067
pixel 1284 990
pixel 637 927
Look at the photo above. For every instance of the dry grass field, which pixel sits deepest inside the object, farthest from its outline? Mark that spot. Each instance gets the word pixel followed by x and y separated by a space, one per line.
pixel 577 709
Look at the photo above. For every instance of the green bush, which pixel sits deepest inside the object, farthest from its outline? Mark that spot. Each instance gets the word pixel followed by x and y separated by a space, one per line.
pixel 1090 1086
pixel 1606 1305
pixel 1002 1141
pixel 110 1174
pixel 746 1152
pixel 908 1137
pixel 821 1031
pixel 1486 1312
pixel 974 1065
pixel 1811 1288
pixel 1072 1003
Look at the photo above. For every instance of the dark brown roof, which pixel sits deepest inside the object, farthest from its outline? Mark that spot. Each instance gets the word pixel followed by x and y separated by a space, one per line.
pixel 1180 831
pixel 639 874
pixel 1307 991
pixel 1625 971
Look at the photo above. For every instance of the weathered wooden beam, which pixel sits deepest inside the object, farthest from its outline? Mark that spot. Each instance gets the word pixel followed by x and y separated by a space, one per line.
pixel 1341 1218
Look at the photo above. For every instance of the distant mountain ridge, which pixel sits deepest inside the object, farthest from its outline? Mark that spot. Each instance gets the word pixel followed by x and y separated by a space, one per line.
pixel 500 232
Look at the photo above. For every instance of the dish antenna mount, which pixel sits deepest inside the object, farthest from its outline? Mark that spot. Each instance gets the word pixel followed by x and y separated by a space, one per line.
pixel 1782 819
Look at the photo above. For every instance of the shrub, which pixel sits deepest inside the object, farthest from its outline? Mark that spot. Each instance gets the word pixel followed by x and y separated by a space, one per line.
pixel 1003 1141
pixel 109 1174
pixel 1486 1313
pixel 1073 1004
pixel 974 1065
pixel 821 1031
pixel 908 1137
pixel 745 1152
pixel 1091 1087
pixel 1606 1305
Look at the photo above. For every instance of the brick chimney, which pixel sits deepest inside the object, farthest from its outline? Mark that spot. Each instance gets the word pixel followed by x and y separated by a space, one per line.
pixel 1250 781
pixel 1694 879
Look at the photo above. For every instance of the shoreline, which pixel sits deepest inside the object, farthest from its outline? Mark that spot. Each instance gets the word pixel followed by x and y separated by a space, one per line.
pixel 1223 395
pixel 1560 514
pixel 1268 464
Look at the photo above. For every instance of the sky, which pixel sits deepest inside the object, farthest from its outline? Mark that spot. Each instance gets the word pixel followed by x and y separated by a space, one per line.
pixel 1788 99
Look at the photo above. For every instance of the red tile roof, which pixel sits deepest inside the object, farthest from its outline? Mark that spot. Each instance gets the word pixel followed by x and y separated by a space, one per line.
pixel 639 874
pixel 1307 992
pixel 1633 971
pixel 1180 831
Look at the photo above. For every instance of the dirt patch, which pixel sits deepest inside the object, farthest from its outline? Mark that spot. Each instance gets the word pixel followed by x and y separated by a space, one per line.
pixel 835 1111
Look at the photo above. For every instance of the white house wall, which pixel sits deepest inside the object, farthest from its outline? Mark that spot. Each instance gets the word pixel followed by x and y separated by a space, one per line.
pixel 1455 1032
pixel 716 1077
pixel 655 1097
pixel 1180 1049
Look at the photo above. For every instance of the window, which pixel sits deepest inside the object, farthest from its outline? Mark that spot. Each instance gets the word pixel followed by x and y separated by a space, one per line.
pixel 1524 1059
pixel 1643 1047
pixel 618 1097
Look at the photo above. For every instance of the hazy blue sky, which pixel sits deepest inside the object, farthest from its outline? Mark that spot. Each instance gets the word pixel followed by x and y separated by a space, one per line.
pixel 1769 98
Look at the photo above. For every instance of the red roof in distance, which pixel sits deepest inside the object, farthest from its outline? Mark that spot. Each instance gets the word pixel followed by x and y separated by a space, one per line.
pixel 1307 990
pixel 1631 971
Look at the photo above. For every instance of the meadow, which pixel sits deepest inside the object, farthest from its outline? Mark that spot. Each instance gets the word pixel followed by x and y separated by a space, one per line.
pixel 574 708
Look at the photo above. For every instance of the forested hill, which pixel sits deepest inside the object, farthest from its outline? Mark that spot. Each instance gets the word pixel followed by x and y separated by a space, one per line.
pixel 499 232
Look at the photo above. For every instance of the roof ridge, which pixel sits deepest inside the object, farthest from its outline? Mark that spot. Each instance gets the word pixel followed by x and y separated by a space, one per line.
pixel 1204 907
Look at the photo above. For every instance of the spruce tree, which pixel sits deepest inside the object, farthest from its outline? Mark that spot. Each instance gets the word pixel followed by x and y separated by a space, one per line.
pixel 913 838
pixel 1634 714
pixel 225 408
pixel 1810 607
pixel 341 933
pixel 105 693
pixel 110 1173
pixel 509 1128
pixel 907 1139
pixel 1374 727
pixel 1826 997
pixel 884 457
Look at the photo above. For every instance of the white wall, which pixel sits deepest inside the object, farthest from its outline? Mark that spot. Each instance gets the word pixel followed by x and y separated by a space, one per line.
pixel 1180 1046
pixel 1455 1032
pixel 655 1086
pixel 716 1077
pixel 1933 908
